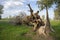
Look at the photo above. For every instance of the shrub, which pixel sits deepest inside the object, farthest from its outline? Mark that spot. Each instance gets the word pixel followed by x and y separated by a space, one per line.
pixel 18 20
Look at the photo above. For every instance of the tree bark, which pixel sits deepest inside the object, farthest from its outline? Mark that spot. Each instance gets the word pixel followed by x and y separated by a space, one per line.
pixel 47 17
pixel 47 24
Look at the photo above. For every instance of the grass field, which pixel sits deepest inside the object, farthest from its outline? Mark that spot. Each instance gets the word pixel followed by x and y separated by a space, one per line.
pixel 56 26
pixel 12 32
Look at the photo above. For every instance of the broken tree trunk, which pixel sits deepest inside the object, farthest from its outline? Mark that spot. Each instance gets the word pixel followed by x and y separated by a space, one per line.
pixel 31 11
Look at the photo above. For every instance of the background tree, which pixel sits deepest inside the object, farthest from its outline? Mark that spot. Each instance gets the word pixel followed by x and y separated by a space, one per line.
pixel 1 11
pixel 57 14
pixel 57 10
pixel 45 4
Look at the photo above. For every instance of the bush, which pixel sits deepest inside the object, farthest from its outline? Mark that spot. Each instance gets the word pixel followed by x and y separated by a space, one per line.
pixel 18 20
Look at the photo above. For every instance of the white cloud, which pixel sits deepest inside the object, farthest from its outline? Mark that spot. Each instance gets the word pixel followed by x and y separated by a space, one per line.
pixel 12 13
pixel 31 0
pixel 8 4
pixel 18 3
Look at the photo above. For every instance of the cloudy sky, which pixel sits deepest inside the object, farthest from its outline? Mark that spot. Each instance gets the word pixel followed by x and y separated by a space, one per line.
pixel 14 7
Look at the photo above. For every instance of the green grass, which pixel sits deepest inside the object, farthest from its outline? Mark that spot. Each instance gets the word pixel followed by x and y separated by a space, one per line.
pixel 56 27
pixel 12 32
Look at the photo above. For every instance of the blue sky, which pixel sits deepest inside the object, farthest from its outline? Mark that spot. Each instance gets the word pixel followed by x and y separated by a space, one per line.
pixel 14 7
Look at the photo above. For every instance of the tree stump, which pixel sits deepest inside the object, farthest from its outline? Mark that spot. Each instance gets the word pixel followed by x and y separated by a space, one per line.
pixel 44 33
